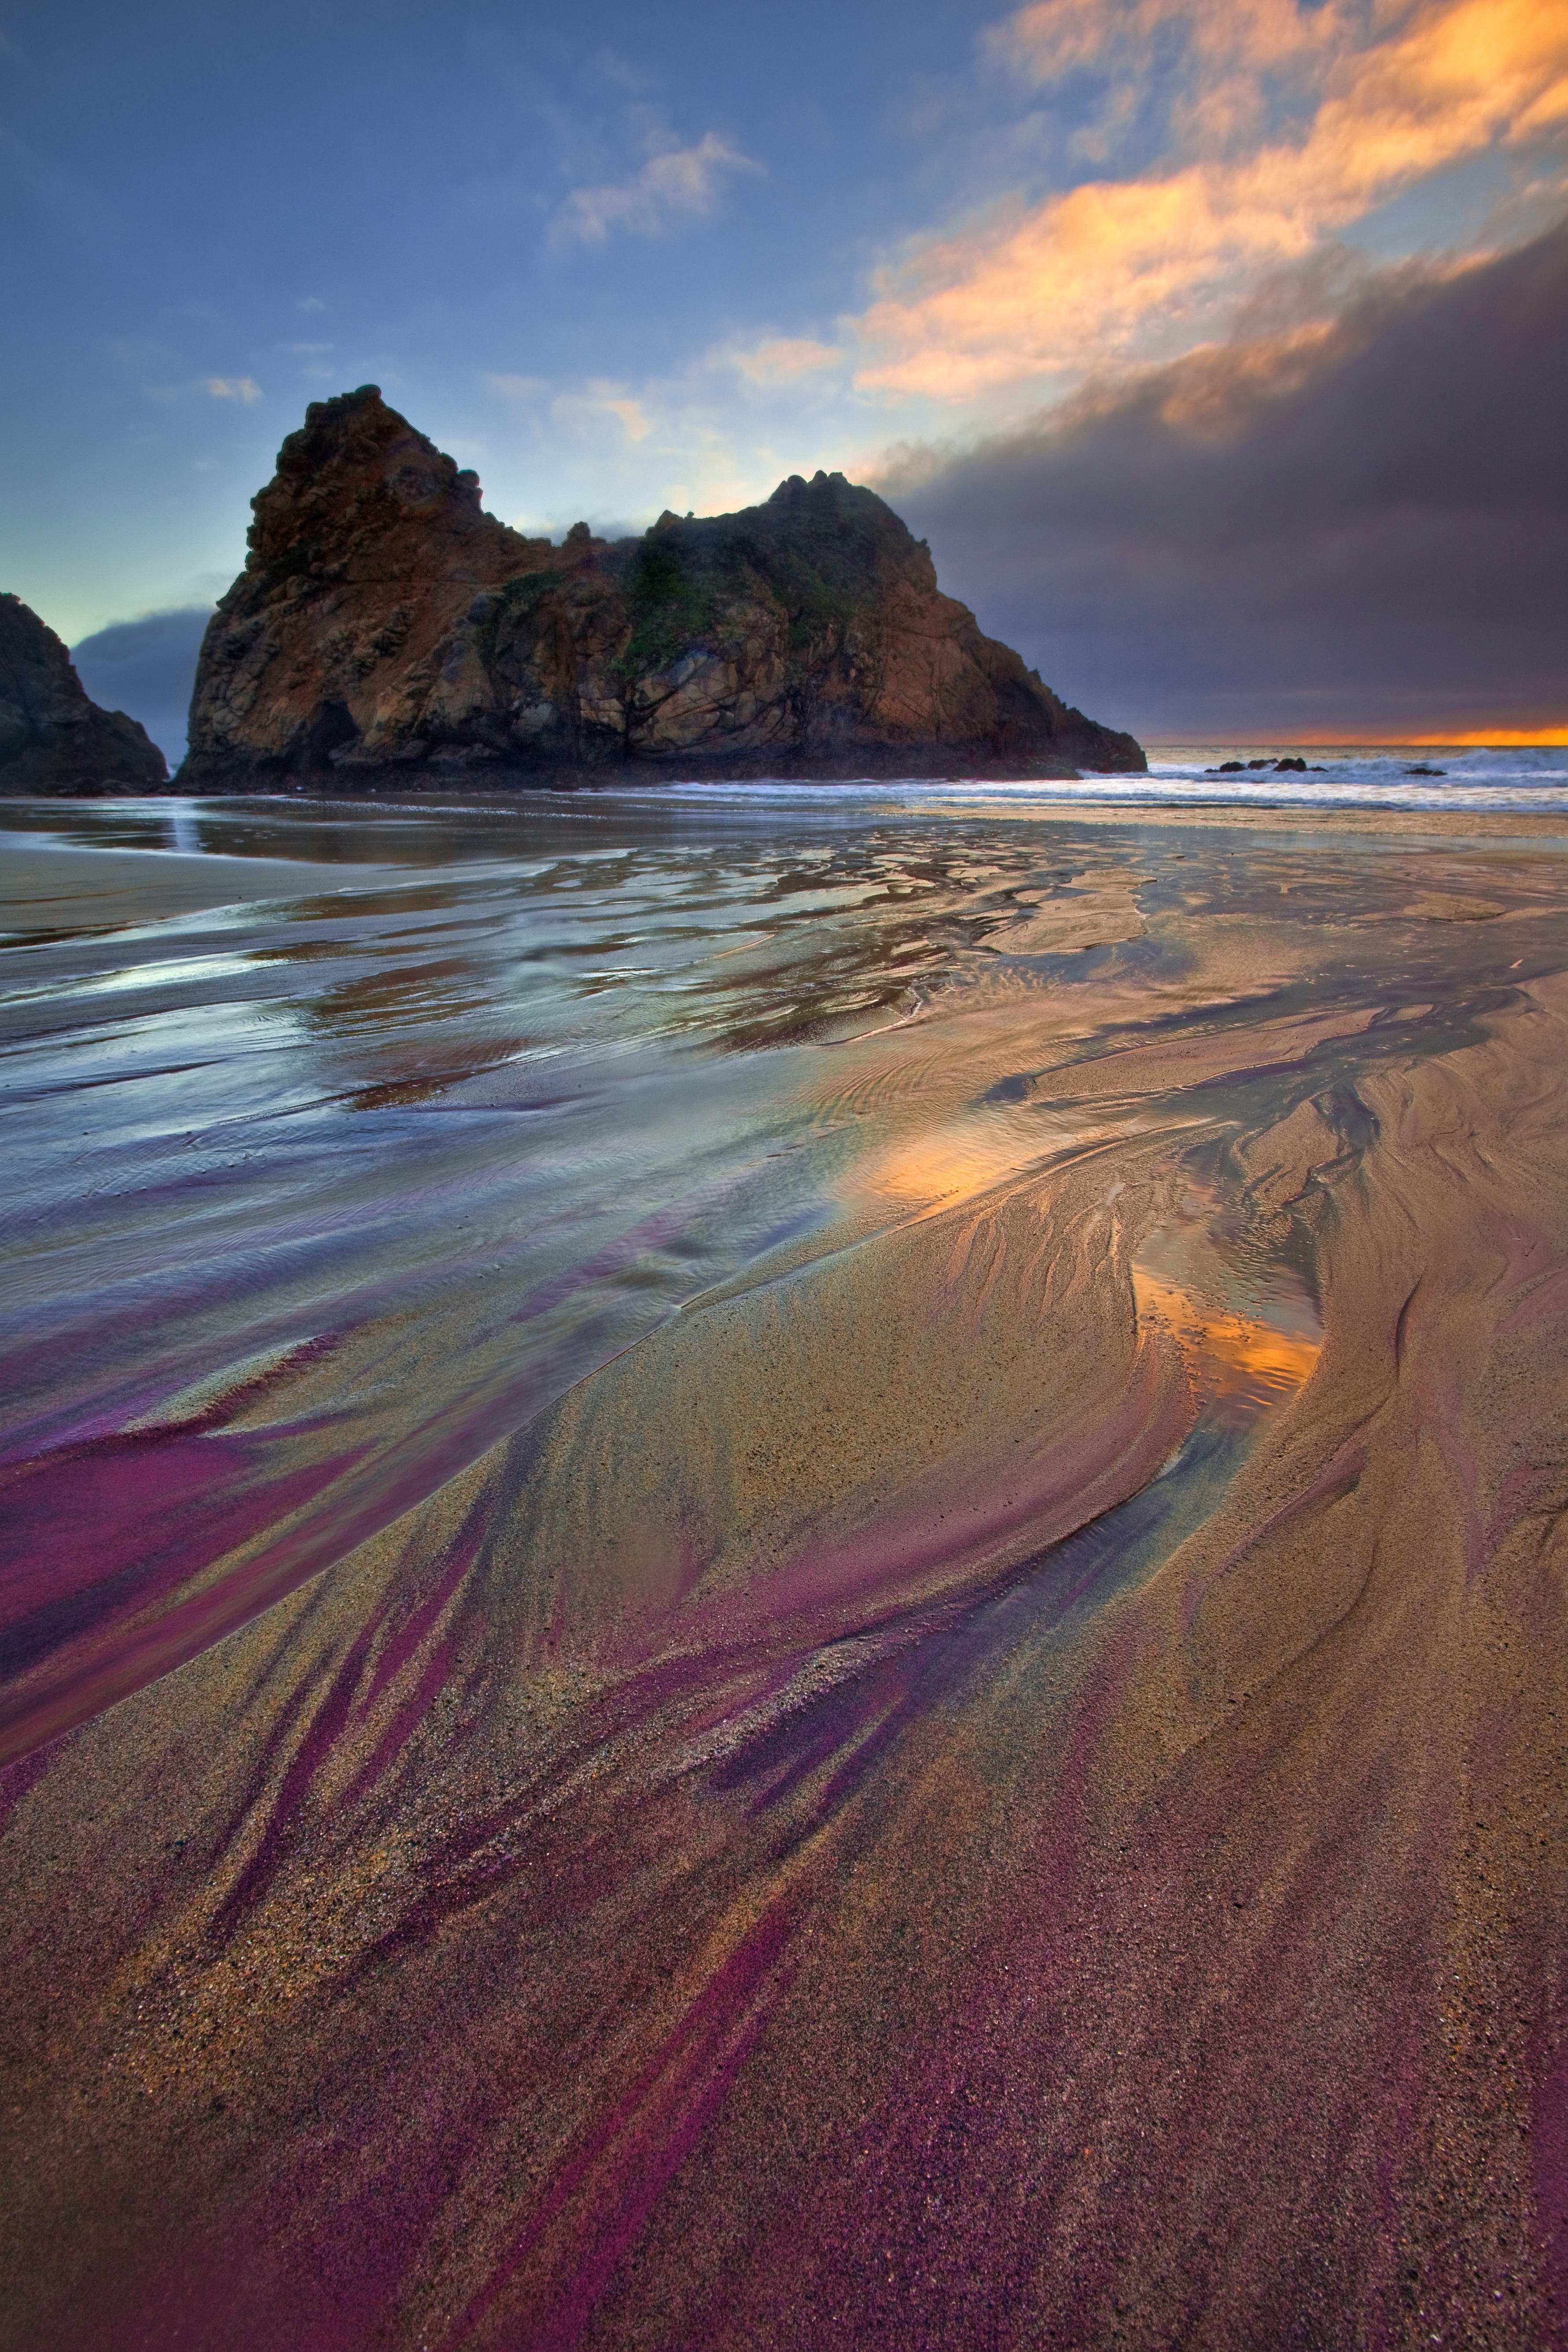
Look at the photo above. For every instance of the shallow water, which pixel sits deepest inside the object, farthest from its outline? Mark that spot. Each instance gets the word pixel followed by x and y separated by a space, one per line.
pixel 793 1319
pixel 1460 777
pixel 318 1191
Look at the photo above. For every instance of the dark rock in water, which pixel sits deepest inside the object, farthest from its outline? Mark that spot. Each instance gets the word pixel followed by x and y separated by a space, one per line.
pixel 52 738
pixel 1425 771
pixel 386 625
pixel 1242 767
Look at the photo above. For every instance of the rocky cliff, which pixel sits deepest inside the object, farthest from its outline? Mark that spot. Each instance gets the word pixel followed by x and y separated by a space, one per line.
pixel 385 624
pixel 52 738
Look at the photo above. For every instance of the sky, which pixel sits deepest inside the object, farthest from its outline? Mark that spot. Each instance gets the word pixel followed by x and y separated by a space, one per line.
pixel 1218 346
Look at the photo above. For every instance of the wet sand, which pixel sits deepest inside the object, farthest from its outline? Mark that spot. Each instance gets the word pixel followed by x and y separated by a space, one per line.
pixel 962 1745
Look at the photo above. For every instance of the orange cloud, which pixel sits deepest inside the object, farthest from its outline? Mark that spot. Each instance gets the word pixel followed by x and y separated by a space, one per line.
pixel 597 399
pixel 1055 35
pixel 1114 269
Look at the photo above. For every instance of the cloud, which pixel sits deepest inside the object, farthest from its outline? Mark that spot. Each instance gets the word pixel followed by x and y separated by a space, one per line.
pixel 1056 36
pixel 309 302
pixel 1357 526
pixel 784 359
pixel 1284 126
pixel 675 184
pixel 242 388
pixel 147 668
pixel 623 71
pixel 600 399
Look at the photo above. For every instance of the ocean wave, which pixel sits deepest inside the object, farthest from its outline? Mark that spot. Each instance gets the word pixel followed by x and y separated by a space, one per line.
pixel 1533 780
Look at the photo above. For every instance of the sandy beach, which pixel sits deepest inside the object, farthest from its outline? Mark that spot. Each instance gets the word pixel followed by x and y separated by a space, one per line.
pixel 914 1697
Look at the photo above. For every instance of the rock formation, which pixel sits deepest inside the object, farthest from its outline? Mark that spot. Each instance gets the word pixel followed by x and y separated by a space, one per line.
pixel 385 624
pixel 52 738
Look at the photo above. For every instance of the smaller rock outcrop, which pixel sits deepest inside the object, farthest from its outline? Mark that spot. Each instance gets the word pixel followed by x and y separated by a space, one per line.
pixel 52 738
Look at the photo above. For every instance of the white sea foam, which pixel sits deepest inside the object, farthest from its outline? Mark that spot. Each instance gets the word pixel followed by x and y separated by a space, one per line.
pixel 1531 780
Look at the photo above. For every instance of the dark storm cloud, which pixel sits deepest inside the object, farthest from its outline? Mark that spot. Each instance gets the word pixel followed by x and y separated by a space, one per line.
pixel 146 668
pixel 1368 531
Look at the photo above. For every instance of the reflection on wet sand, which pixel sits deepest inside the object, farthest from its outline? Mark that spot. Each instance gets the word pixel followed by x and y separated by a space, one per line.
pixel 1233 1354
pixel 752 1604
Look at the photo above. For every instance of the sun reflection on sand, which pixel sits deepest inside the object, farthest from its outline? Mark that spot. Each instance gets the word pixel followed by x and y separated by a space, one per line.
pixel 956 1161
pixel 1233 1355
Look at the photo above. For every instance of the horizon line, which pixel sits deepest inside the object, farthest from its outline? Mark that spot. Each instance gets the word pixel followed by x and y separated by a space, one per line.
pixel 1501 739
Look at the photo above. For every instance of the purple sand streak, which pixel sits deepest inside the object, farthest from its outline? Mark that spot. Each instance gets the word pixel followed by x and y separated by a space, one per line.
pixel 472 1872
pixel 50 1546
pixel 810 1598
pixel 678 2090
pixel 647 2159
pixel 654 2143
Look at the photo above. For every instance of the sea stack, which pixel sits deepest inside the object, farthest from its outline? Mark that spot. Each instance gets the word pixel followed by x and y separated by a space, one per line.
pixel 385 627
pixel 52 738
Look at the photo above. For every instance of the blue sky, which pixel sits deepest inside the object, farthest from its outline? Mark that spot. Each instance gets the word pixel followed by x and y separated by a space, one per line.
pixel 623 258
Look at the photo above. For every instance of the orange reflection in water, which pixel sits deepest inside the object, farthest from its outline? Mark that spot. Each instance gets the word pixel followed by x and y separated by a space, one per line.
pixel 950 1165
pixel 1233 1355
pixel 944 1164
